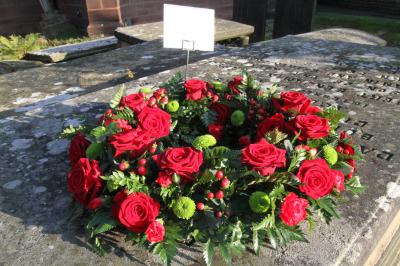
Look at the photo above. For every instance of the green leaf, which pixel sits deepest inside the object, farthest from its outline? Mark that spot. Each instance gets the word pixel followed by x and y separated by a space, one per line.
pixel 256 243
pixel 326 208
pixel 344 167
pixel 97 132
pixel 225 253
pixel 126 114
pixel 106 226
pixel 354 185
pixel 117 98
pixel 208 117
pixel 208 252
pixel 275 136
pixel 333 115
pixel 94 151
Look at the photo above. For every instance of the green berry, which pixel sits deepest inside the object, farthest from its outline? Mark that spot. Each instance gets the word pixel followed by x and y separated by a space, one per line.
pixel 330 154
pixel 146 90
pixel 259 202
pixel 237 118
pixel 204 141
pixel 184 208
pixel 173 106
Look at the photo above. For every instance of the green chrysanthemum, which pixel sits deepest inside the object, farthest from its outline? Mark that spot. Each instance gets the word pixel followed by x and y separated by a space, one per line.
pixel 259 202
pixel 204 141
pixel 237 118
pixel 146 90
pixel 184 208
pixel 173 106
pixel 330 154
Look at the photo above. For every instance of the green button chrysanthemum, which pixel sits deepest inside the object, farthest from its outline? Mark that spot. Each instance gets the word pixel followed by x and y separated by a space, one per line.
pixel 173 106
pixel 204 141
pixel 259 202
pixel 237 118
pixel 184 208
pixel 330 154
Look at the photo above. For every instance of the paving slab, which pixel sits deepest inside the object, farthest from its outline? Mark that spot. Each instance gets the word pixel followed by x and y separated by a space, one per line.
pixel 70 51
pixel 224 29
pixel 363 80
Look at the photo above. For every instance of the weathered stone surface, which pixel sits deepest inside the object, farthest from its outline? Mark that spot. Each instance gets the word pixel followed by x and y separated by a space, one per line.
pixel 9 66
pixel 224 29
pixel 363 80
pixel 346 35
pixel 70 51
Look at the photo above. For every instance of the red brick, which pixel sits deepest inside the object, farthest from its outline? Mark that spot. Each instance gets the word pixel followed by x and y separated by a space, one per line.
pixel 105 15
pixel 110 3
pixel 93 4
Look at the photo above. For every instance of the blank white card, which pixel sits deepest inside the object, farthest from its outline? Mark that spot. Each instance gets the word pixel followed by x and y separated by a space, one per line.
pixel 192 26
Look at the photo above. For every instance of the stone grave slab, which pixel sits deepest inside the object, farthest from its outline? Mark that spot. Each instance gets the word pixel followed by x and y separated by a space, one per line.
pixel 362 80
pixel 70 51
pixel 224 29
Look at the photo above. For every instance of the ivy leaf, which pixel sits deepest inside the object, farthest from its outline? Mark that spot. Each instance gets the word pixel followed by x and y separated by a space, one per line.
pixel 117 98
pixel 208 251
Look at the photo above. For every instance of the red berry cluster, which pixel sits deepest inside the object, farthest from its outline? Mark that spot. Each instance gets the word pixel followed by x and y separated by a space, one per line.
pixel 159 97
pixel 256 111
pixel 345 147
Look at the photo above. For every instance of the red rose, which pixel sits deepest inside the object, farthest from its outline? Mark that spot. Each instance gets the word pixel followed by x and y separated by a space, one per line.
pixel 77 148
pixel 84 180
pixel 216 130
pixel 263 157
pixel 164 178
pixel 95 203
pixel 316 177
pixel 184 161
pixel 269 124
pixel 338 179
pixel 294 102
pixel 223 112
pixel 293 209
pixel 117 201
pixel 311 127
pixel 136 141
pixel 138 211
pixel 155 232
pixel 195 89
pixel 155 121
pixel 233 85
pixel 135 101
pixel 122 124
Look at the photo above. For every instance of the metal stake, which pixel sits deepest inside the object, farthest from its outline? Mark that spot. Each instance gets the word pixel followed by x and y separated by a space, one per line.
pixel 187 54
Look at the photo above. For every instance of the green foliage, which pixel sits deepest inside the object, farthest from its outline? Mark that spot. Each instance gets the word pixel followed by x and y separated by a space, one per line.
pixel 281 235
pixel 333 115
pixel 168 247
pixel 208 251
pixel 99 223
pixel 174 86
pixel 354 185
pixel 208 117
pixel 95 150
pixel 344 167
pixel 71 131
pixel 117 97
pixel 15 47
pixel 326 208
pixel 126 114
pixel 275 136
pixel 133 182
pixel 101 133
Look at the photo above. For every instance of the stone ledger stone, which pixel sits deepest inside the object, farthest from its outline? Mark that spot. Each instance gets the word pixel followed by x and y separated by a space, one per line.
pixel 363 80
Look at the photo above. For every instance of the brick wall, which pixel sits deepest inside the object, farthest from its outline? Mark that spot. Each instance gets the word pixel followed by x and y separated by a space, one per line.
pixel 75 11
pixel 19 17
pixel 390 7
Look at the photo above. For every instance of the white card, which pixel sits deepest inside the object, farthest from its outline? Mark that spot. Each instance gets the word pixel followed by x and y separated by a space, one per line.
pixel 188 27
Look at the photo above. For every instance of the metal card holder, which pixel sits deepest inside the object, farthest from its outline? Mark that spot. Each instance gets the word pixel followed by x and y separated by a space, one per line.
pixel 188 46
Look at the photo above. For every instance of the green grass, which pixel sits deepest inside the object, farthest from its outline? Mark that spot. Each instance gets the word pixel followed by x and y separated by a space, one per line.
pixel 386 28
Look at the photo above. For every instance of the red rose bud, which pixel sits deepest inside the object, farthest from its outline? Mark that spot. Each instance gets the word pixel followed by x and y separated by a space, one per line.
pixel 123 166
pixel 200 206
pixel 339 149
pixel 152 101
pixel 210 195
pixel 108 112
pixel 219 194
pixel 209 94
pixel 244 140
pixel 218 214
pixel 215 98
pixel 142 170
pixel 142 162
pixel 313 152
pixel 164 100
pixel 95 203
pixel 225 183
pixel 219 175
